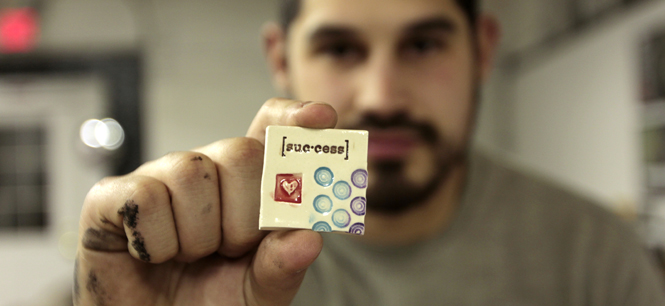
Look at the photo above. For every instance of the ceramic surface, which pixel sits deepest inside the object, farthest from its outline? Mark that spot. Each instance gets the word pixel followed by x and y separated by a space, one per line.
pixel 314 179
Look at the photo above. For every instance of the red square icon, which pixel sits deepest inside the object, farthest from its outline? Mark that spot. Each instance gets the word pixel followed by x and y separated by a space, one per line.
pixel 288 188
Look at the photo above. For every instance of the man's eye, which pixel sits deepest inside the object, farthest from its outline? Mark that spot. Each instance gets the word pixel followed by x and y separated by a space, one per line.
pixel 423 46
pixel 342 51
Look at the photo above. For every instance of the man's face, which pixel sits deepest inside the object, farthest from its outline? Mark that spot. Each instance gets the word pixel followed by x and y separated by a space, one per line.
pixel 403 69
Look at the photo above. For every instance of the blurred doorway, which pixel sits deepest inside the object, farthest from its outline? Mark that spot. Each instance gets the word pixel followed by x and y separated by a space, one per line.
pixel 47 166
pixel 45 173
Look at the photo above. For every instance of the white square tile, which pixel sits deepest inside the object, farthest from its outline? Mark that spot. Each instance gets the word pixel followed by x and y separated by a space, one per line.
pixel 314 179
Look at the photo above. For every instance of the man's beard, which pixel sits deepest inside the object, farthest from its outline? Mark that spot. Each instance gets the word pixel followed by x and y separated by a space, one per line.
pixel 392 193
pixel 389 190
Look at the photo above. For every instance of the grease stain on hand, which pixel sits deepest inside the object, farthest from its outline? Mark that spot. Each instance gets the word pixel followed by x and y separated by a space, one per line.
pixel 130 213
pixel 101 240
pixel 95 289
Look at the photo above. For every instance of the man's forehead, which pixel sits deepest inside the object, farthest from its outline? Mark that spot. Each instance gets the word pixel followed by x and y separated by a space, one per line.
pixel 395 14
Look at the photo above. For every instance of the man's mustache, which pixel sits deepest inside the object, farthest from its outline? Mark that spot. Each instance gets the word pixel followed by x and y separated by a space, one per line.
pixel 424 130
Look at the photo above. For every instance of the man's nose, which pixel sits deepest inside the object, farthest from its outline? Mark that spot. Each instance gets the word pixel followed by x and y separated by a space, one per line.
pixel 382 86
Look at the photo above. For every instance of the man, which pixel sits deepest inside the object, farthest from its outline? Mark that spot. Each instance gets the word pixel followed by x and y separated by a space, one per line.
pixel 442 228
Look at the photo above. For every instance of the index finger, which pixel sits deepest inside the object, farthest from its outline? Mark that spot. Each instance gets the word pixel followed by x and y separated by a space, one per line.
pixel 285 112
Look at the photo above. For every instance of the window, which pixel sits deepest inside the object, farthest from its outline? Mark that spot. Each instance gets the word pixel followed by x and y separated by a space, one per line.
pixel 22 178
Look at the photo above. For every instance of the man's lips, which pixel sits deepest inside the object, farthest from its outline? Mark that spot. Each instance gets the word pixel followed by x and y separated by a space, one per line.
pixel 391 145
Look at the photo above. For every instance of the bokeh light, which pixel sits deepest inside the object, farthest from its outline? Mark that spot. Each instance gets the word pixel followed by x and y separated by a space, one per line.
pixel 106 133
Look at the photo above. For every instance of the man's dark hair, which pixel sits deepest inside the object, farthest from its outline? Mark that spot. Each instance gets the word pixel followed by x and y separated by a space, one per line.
pixel 289 9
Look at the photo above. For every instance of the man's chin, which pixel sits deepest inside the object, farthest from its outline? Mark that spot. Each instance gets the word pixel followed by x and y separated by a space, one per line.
pixel 391 192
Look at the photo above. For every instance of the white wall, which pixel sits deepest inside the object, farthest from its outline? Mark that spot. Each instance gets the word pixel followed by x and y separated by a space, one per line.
pixel 206 73
pixel 204 69
pixel 577 114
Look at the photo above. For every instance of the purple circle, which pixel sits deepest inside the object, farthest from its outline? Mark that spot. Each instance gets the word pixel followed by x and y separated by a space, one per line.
pixel 359 206
pixel 359 178
pixel 357 229
pixel 341 218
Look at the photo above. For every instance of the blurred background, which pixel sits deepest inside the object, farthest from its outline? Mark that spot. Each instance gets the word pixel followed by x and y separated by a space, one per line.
pixel 91 88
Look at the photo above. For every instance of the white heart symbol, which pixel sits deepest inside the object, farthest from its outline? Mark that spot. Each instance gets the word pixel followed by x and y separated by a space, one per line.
pixel 289 187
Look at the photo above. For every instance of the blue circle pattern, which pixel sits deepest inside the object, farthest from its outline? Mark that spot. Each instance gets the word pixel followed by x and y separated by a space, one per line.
pixel 341 218
pixel 342 190
pixel 324 176
pixel 322 226
pixel 323 204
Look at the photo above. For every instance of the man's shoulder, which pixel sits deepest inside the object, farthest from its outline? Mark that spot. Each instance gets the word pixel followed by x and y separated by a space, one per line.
pixel 539 203
pixel 561 234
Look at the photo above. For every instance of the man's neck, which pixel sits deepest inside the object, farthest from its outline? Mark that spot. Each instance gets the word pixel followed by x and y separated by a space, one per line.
pixel 419 223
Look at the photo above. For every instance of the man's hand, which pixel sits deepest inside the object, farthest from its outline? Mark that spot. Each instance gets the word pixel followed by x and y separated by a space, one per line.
pixel 183 229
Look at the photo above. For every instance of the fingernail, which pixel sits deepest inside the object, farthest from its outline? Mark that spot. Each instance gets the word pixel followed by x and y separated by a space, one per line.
pixel 300 105
pixel 307 103
pixel 303 104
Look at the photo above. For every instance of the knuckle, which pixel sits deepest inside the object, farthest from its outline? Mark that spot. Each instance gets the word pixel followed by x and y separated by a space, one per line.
pixel 216 148
pixel 273 102
pixel 148 192
pixel 244 151
pixel 189 167
pixel 98 194
pixel 274 106
pixel 99 188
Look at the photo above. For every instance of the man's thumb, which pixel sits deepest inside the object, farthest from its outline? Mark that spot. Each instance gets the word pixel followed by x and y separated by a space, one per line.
pixel 279 266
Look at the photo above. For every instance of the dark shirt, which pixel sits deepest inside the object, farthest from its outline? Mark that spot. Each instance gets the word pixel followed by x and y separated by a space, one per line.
pixel 516 240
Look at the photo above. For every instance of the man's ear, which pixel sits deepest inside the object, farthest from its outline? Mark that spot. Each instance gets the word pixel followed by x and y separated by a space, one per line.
pixel 488 37
pixel 274 45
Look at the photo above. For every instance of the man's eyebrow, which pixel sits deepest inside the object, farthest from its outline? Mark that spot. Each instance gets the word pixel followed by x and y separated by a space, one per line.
pixel 438 23
pixel 330 31
pixel 333 31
